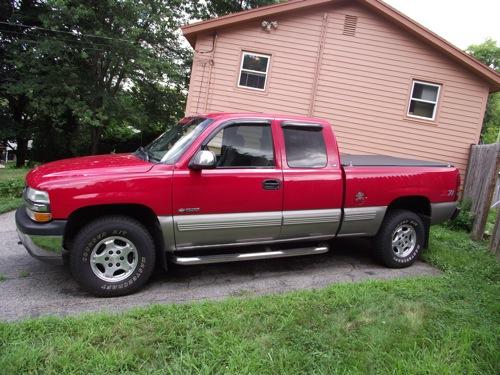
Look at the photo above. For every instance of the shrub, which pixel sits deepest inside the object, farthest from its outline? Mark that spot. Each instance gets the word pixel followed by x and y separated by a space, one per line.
pixel 465 218
pixel 12 188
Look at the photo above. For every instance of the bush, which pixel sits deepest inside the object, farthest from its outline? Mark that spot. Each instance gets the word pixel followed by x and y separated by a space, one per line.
pixel 465 218
pixel 12 188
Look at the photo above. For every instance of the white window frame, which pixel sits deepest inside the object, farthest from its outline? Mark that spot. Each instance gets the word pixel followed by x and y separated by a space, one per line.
pixel 434 112
pixel 268 57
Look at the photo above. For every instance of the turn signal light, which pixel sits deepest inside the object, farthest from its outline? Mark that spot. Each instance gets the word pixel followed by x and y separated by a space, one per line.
pixel 42 217
pixel 39 217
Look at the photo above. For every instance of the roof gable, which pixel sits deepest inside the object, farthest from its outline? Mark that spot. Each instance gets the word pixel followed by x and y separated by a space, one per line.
pixel 404 22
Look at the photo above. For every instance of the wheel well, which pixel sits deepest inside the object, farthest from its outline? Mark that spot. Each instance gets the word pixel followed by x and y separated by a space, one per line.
pixel 81 217
pixel 419 205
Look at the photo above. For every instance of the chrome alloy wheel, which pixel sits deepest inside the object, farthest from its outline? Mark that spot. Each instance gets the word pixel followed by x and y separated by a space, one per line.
pixel 404 240
pixel 114 259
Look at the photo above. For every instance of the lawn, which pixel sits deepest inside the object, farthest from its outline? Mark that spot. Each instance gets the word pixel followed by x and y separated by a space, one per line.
pixel 11 185
pixel 448 324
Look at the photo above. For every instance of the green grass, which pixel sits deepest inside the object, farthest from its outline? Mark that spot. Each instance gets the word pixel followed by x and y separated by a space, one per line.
pixel 9 204
pixel 2 277
pixel 448 324
pixel 12 173
pixel 11 185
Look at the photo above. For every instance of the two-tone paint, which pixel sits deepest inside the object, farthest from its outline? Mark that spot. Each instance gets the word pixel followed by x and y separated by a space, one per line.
pixel 229 207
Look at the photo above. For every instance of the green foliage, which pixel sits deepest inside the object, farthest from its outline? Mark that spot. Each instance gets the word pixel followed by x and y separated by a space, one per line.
pixel 464 220
pixel 446 324
pixel 96 68
pixel 489 53
pixel 215 8
pixel 9 204
pixel 11 188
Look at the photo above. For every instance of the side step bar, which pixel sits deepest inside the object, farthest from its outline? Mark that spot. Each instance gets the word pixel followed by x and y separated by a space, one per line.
pixel 223 258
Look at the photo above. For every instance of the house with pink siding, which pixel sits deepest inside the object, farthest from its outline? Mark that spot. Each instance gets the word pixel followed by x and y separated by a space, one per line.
pixel 387 84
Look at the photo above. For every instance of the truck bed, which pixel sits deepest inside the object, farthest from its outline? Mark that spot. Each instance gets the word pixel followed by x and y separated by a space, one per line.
pixel 386 161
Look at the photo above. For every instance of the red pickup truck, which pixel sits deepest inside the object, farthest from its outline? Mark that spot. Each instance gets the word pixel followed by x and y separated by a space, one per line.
pixel 228 187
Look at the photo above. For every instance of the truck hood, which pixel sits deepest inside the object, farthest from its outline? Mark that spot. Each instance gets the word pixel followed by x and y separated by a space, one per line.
pixel 101 165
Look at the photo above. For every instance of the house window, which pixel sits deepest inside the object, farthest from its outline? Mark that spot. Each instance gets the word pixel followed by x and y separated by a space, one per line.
pixel 253 71
pixel 424 99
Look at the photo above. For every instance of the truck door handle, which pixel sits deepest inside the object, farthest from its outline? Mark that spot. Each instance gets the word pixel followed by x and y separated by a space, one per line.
pixel 271 184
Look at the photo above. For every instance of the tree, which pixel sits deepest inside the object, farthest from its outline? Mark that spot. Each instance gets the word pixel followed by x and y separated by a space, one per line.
pixel 127 45
pixel 215 8
pixel 489 53
pixel 16 74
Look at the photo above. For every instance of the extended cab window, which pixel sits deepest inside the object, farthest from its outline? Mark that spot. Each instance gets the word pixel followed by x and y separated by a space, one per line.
pixel 243 146
pixel 305 147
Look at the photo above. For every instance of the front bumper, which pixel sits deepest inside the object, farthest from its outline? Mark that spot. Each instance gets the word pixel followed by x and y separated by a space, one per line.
pixel 43 241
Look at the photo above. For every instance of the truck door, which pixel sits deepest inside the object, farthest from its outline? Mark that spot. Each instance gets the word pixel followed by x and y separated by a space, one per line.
pixel 238 202
pixel 312 180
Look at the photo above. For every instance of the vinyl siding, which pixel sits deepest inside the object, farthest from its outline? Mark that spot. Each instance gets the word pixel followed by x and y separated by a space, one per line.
pixel 363 88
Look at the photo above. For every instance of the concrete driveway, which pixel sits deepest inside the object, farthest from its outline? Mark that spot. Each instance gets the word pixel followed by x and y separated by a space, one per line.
pixel 32 288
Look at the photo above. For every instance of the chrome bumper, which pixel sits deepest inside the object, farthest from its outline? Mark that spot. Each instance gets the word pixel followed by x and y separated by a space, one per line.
pixel 43 241
pixel 46 248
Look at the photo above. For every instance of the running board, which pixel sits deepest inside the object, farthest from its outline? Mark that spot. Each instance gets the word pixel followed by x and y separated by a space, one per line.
pixel 223 258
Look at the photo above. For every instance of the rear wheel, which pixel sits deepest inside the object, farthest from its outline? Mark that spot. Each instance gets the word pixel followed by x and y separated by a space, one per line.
pixel 112 256
pixel 400 239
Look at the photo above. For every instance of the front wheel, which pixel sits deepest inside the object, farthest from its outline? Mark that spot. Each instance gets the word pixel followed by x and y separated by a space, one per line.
pixel 400 239
pixel 112 256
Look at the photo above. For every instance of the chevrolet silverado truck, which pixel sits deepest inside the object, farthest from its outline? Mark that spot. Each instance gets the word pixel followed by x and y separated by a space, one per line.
pixel 227 187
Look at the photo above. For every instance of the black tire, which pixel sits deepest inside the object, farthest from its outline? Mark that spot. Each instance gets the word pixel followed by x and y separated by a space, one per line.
pixel 123 231
pixel 404 254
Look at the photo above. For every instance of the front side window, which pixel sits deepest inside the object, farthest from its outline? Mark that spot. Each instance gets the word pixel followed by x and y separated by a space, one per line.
pixel 424 99
pixel 243 146
pixel 253 71
pixel 305 147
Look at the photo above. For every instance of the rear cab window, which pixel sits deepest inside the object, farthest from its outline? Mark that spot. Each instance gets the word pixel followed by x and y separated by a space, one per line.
pixel 304 145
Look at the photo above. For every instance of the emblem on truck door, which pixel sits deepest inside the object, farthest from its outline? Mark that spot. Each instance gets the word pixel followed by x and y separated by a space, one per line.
pixel 188 210
pixel 360 196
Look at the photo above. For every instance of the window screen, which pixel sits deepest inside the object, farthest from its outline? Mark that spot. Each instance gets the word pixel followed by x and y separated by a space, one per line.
pixel 243 146
pixel 305 147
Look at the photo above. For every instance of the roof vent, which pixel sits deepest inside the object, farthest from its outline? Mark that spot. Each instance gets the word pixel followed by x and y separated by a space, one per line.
pixel 350 24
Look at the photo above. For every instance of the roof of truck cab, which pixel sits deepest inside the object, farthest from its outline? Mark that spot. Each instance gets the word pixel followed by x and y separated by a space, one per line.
pixel 232 115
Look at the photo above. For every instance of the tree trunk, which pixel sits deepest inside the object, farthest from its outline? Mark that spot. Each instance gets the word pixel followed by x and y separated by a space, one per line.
pixel 95 139
pixel 22 152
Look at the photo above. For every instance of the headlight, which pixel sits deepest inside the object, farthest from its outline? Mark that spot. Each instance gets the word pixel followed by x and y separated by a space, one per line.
pixel 37 196
pixel 37 205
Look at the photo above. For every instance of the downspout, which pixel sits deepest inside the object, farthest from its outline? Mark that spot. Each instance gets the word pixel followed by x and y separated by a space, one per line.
pixel 211 62
pixel 319 60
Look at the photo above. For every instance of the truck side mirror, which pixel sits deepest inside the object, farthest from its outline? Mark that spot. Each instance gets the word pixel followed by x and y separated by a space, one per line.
pixel 204 159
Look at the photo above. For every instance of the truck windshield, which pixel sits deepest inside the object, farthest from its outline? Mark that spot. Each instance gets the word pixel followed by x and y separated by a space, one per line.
pixel 169 146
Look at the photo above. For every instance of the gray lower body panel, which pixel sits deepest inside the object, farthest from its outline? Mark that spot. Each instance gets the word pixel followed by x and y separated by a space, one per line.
pixel 441 212
pixel 187 232
pixel 362 221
